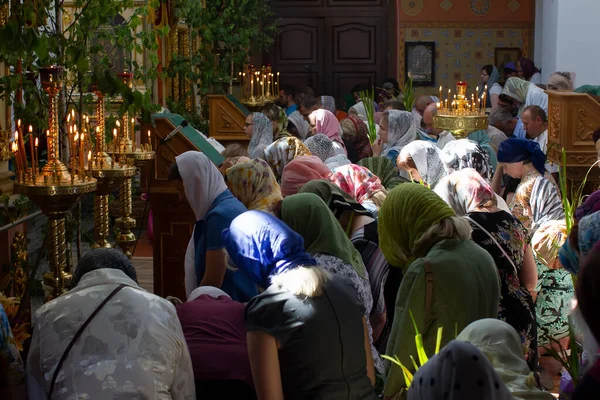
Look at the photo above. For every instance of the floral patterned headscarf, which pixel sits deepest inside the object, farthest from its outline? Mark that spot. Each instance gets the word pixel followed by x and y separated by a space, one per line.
pixel 357 181
pixel 254 184
pixel 464 153
pixel 464 191
pixel 282 124
pixel 547 240
pixel 280 153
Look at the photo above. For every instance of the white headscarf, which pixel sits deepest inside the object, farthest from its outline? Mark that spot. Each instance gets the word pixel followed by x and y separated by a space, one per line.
pixel 300 123
pixel 209 290
pixel 458 372
pixel 262 135
pixel 360 110
pixel 202 181
pixel 427 158
pixel 401 130
pixel 501 344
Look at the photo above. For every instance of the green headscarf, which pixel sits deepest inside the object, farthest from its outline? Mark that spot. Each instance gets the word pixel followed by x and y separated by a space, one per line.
pixel 308 215
pixel 406 214
pixel 385 170
pixel 589 89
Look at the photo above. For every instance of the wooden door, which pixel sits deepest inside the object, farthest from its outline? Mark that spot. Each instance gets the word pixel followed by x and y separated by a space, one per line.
pixel 330 45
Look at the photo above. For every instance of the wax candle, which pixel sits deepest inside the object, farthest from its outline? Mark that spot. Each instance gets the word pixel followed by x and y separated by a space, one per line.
pixel 440 93
pixel 149 141
pixel 31 148
pixel 81 150
pixel 37 155
pixel 251 87
pixel 114 147
pixel 48 144
pixel 278 81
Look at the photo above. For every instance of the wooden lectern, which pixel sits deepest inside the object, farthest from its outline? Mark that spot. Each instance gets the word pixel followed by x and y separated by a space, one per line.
pixel 227 116
pixel 572 120
pixel 173 221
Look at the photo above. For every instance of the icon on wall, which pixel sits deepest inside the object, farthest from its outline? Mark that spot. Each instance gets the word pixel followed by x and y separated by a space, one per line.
pixel 504 55
pixel 420 62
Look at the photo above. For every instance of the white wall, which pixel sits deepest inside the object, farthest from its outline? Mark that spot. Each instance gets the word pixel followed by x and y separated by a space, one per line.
pixel 539 32
pixel 570 39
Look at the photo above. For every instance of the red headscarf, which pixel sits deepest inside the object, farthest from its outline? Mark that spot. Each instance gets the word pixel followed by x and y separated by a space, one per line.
pixel 300 171
pixel 357 181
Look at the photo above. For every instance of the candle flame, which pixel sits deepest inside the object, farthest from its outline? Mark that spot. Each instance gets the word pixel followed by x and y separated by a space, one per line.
pixel 30 128
pixel 68 118
pixel 47 132
pixel 118 124
pixel 115 132
pixel 18 123
pixel 97 129
pixel 16 135
pixel 76 136
pixel 73 113
pixel 89 155
pixel 132 120
pixel 82 136
pixel 75 128
pixel 148 133
pixel 36 142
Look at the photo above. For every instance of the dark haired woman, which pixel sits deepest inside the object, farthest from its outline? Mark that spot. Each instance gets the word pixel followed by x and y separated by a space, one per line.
pixel 490 77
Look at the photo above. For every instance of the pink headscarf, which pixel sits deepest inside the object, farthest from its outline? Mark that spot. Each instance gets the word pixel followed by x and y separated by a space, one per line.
pixel 328 124
pixel 357 181
pixel 300 171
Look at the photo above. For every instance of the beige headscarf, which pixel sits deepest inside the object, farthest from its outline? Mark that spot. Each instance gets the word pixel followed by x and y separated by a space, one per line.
pixel 501 344
pixel 202 181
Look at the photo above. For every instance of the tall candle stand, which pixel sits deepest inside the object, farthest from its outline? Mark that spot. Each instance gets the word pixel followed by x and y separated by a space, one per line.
pixel 55 188
pixel 107 173
pixel 130 154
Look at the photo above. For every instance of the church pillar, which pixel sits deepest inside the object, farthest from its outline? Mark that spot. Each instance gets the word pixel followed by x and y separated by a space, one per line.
pixel 567 38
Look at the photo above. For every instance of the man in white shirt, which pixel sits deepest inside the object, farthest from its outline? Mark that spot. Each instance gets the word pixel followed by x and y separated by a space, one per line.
pixel 535 123
pixel 441 136
pixel 133 347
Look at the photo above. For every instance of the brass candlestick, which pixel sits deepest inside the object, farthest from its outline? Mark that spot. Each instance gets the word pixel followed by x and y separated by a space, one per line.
pixel 54 189
pixel 128 154
pixel 108 175
pixel 461 115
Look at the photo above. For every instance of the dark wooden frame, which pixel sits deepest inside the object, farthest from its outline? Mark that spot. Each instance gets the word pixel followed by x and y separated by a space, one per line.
pixel 407 50
pixel 501 50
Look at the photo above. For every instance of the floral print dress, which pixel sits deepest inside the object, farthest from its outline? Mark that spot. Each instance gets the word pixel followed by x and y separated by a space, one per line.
pixel 516 304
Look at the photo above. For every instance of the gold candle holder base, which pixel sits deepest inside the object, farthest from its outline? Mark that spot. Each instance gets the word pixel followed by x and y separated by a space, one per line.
pixel 108 178
pixel 460 125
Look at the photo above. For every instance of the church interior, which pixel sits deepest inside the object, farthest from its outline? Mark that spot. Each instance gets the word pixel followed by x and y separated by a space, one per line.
pixel 104 103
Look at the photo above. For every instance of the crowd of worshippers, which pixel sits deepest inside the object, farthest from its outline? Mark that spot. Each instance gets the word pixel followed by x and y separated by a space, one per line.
pixel 315 253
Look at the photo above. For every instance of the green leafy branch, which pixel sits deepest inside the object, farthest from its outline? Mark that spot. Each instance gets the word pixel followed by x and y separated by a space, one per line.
pixel 368 99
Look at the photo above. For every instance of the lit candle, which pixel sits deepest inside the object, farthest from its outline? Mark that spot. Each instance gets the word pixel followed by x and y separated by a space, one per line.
pixel 89 157
pixel 440 93
pixel 21 146
pixel 48 143
pixel 251 87
pixel 81 150
pixel 37 155
pixel 98 149
pixel 31 148
pixel 278 81
pixel 16 151
pixel 114 146
pixel 149 141
pixel 132 130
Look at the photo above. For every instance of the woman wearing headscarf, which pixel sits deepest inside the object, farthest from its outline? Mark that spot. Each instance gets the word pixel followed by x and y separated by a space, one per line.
pixel 254 184
pixel 300 171
pixel 484 140
pixel 279 121
pixel 362 185
pixel 356 133
pixel 501 345
pixel 525 94
pixel 306 324
pixel 537 198
pixel 588 300
pixel 458 372
pixel 326 241
pixel 589 235
pixel 528 71
pixel 490 76
pixel 507 241
pixel 214 207
pixel 297 125
pixel 328 103
pixel 443 272
pixel 361 228
pixel 569 252
pixel 215 333
pixel 554 291
pixel 260 131
pixel 421 161
pixel 384 169
pixel 396 130
pixel 280 153
pixel 465 153
pixel 323 121
pixel 321 146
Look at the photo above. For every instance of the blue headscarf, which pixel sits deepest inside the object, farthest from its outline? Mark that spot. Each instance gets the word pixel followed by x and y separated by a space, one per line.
pixel 514 150
pixel 263 246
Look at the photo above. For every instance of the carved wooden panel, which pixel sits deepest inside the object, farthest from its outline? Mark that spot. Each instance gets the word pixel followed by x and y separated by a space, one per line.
pixel 343 82
pixel 573 117
pixel 226 119
pixel 354 43
pixel 297 41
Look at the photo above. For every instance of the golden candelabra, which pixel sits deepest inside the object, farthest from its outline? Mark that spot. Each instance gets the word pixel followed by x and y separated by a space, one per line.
pixel 260 86
pixel 55 188
pixel 128 153
pixel 460 114
pixel 107 173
